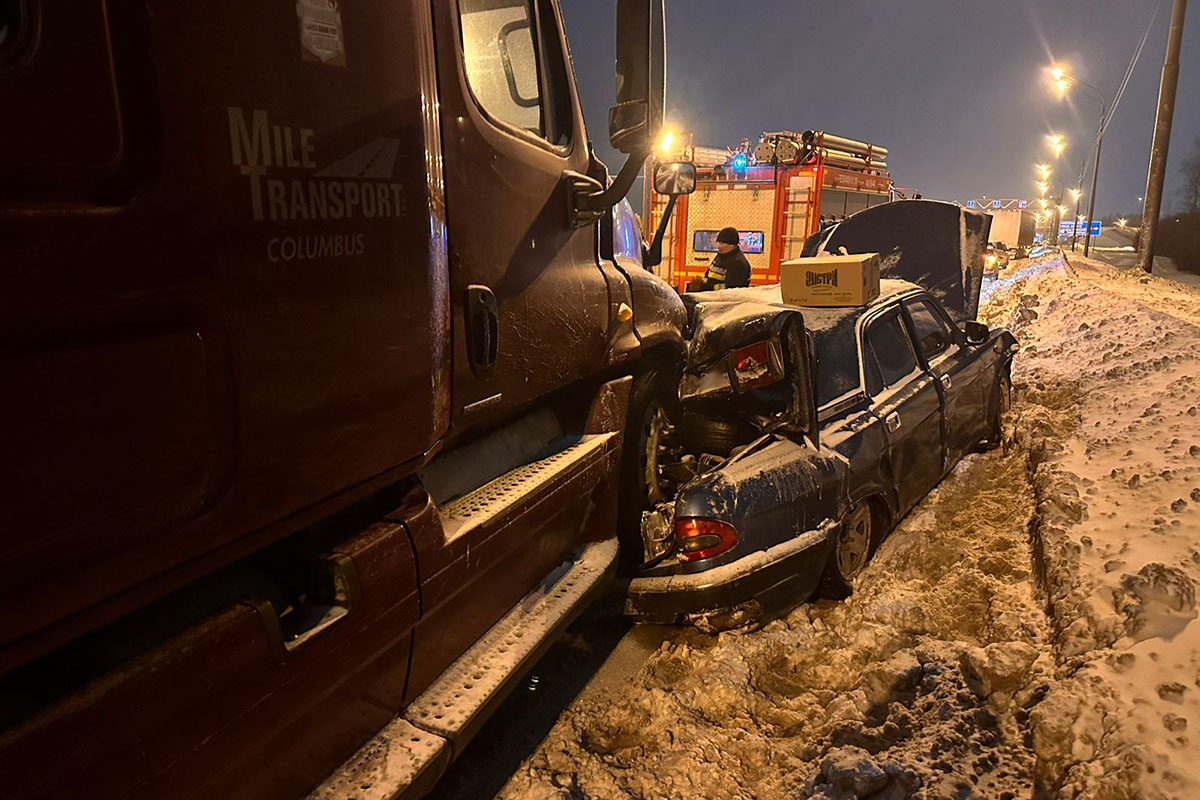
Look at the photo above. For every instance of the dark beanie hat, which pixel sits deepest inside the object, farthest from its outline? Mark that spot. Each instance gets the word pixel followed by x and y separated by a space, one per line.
pixel 728 236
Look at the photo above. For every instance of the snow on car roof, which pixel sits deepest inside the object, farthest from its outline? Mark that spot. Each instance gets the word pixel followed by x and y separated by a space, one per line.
pixel 815 318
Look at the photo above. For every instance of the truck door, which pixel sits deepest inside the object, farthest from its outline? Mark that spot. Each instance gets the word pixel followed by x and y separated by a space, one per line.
pixel 530 309
pixel 906 399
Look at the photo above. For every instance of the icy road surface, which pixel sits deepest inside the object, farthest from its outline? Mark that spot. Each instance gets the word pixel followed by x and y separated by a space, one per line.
pixel 1028 631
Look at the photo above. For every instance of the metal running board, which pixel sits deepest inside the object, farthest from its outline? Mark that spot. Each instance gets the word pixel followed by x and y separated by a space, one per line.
pixel 494 499
pixel 408 756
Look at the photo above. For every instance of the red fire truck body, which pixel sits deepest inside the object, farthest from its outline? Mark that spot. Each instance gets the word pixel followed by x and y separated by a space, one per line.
pixel 776 196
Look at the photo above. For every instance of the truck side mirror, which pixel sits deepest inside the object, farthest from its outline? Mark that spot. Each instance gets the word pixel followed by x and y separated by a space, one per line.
pixel 675 178
pixel 634 122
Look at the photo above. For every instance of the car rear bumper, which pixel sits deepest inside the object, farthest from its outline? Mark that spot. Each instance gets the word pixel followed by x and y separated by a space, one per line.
pixel 768 579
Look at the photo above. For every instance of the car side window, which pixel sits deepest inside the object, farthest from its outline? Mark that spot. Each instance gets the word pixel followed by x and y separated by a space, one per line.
pixel 887 356
pixel 933 333
pixel 512 80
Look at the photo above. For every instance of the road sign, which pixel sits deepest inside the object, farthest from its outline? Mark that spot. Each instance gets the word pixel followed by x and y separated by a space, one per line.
pixel 1080 228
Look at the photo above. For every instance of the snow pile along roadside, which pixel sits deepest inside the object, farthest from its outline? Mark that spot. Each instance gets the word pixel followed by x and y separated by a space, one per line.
pixel 1108 373
pixel 920 685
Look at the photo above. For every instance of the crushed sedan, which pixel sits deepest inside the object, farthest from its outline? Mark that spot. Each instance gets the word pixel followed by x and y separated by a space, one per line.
pixel 807 433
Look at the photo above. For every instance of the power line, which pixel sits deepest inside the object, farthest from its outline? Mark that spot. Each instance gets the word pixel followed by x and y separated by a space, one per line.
pixel 1129 70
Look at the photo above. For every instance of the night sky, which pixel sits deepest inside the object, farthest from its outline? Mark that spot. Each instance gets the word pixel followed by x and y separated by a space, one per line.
pixel 954 89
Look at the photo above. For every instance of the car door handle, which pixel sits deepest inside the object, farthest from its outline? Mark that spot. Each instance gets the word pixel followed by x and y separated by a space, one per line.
pixel 892 421
pixel 946 380
pixel 483 329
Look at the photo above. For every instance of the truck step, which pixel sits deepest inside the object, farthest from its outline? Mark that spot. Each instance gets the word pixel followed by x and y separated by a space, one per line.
pixel 502 495
pixel 407 757
pixel 456 703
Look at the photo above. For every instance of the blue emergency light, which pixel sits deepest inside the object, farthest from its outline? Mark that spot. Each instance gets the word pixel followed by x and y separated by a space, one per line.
pixel 739 161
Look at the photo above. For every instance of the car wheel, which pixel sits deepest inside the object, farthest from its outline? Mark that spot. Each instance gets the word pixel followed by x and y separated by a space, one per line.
pixel 649 442
pixel 849 554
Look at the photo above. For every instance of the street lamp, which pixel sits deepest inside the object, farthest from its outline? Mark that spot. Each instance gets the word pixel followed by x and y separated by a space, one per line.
pixel 1057 144
pixel 1064 81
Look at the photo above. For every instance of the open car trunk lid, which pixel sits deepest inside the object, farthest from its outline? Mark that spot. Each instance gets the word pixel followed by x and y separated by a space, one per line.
pixel 937 245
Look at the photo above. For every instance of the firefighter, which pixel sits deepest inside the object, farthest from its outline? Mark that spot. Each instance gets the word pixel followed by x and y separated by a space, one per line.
pixel 729 268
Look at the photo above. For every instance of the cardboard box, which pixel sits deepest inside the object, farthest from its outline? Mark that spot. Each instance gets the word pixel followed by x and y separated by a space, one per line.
pixel 830 280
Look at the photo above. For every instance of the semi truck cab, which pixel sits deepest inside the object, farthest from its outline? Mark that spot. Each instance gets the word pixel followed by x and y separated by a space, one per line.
pixel 320 338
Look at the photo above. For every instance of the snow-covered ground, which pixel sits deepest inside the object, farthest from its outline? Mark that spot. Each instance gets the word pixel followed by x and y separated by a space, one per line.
pixel 1028 631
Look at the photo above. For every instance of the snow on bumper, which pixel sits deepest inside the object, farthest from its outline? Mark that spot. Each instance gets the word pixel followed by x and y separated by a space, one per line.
pixel 777 577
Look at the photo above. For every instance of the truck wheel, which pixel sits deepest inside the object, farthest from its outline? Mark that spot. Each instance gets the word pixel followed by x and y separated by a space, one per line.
pixel 849 554
pixel 1003 404
pixel 717 436
pixel 649 440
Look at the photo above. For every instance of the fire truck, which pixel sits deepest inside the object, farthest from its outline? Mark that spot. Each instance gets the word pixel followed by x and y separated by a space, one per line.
pixel 777 193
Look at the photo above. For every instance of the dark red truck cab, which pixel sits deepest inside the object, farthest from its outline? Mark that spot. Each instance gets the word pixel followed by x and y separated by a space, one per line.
pixel 316 363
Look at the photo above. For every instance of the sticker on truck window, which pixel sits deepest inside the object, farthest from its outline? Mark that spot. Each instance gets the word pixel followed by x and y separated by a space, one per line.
pixel 321 32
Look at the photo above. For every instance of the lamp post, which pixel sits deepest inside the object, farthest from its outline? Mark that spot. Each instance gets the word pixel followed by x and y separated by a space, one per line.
pixel 1075 194
pixel 1064 81
pixel 1046 181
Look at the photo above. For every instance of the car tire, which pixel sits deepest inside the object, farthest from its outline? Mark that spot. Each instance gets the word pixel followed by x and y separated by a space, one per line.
pixel 849 554
pixel 713 435
pixel 1002 405
pixel 653 403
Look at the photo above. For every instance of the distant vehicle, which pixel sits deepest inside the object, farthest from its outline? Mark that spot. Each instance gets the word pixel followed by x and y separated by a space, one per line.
pixel 1013 227
pixel 996 258
pixel 806 433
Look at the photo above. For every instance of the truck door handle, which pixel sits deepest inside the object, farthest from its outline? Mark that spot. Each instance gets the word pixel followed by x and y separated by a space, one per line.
pixel 892 421
pixel 946 380
pixel 483 329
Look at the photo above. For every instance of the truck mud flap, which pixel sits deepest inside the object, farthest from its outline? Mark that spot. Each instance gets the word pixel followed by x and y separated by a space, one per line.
pixel 934 244
pixel 407 757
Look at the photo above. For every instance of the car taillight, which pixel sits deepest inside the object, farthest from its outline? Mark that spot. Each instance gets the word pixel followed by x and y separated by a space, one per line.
pixel 703 538
pixel 755 365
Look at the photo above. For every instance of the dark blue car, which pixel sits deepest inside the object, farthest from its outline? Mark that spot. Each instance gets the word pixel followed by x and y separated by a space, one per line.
pixel 846 418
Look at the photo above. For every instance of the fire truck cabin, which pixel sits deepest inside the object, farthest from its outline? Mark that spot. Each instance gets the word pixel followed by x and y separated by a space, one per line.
pixel 776 194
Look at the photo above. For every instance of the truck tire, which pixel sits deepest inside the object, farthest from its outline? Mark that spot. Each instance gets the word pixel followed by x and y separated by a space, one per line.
pixel 653 414
pixel 713 435
pixel 850 552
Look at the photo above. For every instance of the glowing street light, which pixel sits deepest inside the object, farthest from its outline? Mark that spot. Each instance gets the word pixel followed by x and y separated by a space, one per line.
pixel 1075 194
pixel 1057 144
pixel 1061 210
pixel 1063 81
pixel 1041 187
pixel 668 139
pixel 1121 222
